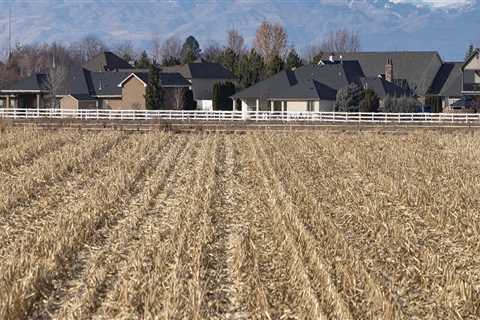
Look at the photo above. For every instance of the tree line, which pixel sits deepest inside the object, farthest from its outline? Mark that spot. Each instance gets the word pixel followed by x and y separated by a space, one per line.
pixel 269 53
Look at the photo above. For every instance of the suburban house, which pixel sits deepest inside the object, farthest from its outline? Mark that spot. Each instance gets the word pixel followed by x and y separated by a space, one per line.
pixel 313 87
pixel 437 85
pixel 202 77
pixel 471 77
pixel 105 82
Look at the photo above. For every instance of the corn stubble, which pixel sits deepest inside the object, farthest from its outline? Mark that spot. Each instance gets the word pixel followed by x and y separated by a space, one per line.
pixel 255 226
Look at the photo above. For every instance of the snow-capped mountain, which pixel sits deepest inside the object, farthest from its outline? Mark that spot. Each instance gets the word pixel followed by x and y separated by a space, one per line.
pixel 444 25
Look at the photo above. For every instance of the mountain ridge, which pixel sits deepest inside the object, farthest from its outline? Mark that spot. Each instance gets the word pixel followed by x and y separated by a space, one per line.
pixel 382 24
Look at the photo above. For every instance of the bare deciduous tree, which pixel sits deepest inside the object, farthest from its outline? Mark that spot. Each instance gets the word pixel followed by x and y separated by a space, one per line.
pixel 341 40
pixel 126 51
pixel 172 47
pixel 179 98
pixel 88 47
pixel 271 40
pixel 213 52
pixel 56 77
pixel 156 48
pixel 235 41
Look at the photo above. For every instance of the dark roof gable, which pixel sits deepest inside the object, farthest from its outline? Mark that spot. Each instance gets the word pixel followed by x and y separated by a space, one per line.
pixel 470 58
pixel 419 68
pixel 106 61
pixel 201 70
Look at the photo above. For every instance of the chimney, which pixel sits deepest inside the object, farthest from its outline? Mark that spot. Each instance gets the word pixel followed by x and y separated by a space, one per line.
pixel 389 70
pixel 332 57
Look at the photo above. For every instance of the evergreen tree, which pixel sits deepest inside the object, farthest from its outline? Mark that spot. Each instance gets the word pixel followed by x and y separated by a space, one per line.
pixel 274 66
pixel 293 60
pixel 469 51
pixel 316 59
pixel 143 62
pixel 230 60
pixel 190 103
pixel 221 96
pixel 251 69
pixel 370 101
pixel 154 91
pixel 348 98
pixel 188 56
pixel 190 50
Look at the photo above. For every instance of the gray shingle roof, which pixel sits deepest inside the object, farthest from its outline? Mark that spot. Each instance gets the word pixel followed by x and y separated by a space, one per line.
pixel 106 61
pixel 82 82
pixel 201 70
pixel 203 88
pixel 382 87
pixel 314 82
pixel 418 68
pixel 448 81
pixel 36 82
pixel 307 82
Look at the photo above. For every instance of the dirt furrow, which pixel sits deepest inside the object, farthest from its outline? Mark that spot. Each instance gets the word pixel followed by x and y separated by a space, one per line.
pixel 184 286
pixel 32 182
pixel 148 256
pixel 71 229
pixel 97 273
pixel 365 296
pixel 16 158
pixel 27 216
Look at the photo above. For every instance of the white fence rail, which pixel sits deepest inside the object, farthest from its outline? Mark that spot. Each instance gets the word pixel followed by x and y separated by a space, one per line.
pixel 198 115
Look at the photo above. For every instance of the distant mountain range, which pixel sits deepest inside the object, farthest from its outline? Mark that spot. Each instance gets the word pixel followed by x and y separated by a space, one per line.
pixel 442 25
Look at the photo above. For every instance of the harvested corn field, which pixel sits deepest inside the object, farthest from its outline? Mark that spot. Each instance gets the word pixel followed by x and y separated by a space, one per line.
pixel 256 226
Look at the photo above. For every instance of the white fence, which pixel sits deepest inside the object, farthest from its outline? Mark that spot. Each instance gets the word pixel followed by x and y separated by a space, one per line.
pixel 198 115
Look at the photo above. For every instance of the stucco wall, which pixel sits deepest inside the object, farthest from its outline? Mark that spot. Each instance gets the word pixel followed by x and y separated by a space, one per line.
pixel 474 64
pixel 68 102
pixel 113 104
pixel 133 94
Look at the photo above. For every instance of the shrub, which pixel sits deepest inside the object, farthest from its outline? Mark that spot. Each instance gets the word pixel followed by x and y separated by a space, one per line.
pixel 400 105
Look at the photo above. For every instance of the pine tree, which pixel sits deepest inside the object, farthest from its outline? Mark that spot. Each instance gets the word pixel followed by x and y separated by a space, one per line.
pixel 190 50
pixel 469 51
pixel 188 56
pixel 230 61
pixel 154 91
pixel 221 96
pixel 370 101
pixel 293 60
pixel 274 66
pixel 251 69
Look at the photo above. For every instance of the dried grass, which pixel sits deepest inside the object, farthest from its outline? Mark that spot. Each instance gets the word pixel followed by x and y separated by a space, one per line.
pixel 258 226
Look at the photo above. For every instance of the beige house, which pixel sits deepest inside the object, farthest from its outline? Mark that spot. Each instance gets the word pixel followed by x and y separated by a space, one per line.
pixel 312 88
pixel 118 86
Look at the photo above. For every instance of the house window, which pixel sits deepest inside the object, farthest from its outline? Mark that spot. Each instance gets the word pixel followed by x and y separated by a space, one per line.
pixel 310 106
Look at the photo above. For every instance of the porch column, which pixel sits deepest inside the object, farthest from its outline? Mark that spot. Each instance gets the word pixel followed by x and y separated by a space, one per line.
pixel 283 106
pixel 257 105
pixel 8 101
pixel 38 100
pixel 271 106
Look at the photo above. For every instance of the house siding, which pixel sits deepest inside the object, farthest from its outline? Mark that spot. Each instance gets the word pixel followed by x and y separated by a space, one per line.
pixel 474 64
pixel 113 104
pixel 68 102
pixel 133 94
